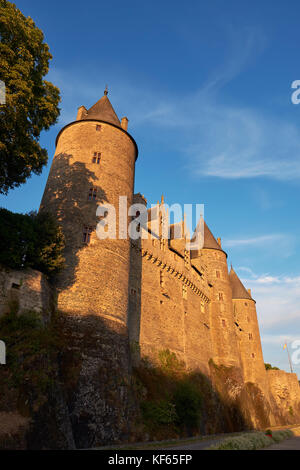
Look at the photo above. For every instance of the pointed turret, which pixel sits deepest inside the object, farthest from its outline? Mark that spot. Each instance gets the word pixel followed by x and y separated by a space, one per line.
pixel 103 111
pixel 209 239
pixel 238 289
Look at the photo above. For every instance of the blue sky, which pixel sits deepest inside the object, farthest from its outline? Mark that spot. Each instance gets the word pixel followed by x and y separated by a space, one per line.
pixel 206 87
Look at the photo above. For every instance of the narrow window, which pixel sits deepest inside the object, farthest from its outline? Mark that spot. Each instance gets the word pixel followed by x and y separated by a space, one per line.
pixel 253 355
pixel 15 286
pixel 87 234
pixel 98 127
pixel 246 305
pixel 96 157
pixel 218 274
pixel 92 194
pixel 250 336
pixel 221 296
pixel 223 323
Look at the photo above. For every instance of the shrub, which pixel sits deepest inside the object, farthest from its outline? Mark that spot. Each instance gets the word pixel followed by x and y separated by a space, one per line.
pixel 251 441
pixel 31 240
pixel 159 412
pixel 188 401
pixel 169 361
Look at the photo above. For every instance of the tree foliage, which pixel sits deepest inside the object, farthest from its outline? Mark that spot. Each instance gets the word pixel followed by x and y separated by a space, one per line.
pixel 31 240
pixel 270 367
pixel 31 102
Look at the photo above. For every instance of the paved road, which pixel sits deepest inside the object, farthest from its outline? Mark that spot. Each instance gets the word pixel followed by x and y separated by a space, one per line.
pixel 289 444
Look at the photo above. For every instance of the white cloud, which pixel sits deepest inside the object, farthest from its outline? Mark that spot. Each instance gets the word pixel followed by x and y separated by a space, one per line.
pixel 278 301
pixel 260 240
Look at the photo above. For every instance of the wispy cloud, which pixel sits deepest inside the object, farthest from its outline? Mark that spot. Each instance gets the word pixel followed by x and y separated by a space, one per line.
pixel 227 141
pixel 278 300
pixel 254 241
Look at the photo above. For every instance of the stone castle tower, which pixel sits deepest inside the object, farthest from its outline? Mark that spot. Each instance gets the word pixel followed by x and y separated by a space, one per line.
pixel 94 163
pixel 151 292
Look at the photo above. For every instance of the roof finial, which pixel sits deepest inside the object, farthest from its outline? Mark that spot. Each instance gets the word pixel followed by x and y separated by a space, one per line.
pixel 106 90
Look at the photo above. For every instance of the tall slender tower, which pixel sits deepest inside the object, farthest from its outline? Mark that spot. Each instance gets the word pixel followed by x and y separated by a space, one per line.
pixel 248 332
pixel 224 339
pixel 94 165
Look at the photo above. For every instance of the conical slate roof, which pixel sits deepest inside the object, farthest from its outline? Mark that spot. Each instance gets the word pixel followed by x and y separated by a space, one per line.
pixel 238 290
pixel 103 111
pixel 203 235
pixel 209 239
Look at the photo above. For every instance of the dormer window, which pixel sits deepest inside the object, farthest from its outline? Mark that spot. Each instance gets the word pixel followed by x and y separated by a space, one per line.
pixel 98 127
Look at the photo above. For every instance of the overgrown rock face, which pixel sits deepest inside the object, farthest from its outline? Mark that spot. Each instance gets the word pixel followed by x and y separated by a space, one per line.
pixel 246 405
pixel 96 377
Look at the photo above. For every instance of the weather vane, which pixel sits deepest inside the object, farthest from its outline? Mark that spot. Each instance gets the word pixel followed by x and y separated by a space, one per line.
pixel 106 90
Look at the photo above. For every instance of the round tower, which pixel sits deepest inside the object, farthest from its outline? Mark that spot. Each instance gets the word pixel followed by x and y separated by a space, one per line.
pixel 93 165
pixel 222 328
pixel 244 310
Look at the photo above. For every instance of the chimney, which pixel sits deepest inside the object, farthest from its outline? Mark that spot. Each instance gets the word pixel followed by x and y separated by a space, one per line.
pixel 124 123
pixel 81 113
pixel 249 292
pixel 219 242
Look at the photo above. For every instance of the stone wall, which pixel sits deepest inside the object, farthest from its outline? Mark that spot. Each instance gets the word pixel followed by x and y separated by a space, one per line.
pixel 286 392
pixel 169 304
pixel 24 290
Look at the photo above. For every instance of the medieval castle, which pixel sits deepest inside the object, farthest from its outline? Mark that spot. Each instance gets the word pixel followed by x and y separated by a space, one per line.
pixel 151 292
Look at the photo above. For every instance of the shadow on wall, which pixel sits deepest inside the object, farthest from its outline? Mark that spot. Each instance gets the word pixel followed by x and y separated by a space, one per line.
pixel 177 403
pixel 69 379
pixel 67 198
pixel 134 296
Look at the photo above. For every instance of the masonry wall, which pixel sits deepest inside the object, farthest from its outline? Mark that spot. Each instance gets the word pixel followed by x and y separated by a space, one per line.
pixel 169 305
pixel 286 392
pixel 25 290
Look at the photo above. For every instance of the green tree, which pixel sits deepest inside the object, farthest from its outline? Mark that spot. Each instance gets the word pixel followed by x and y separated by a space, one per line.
pixel 31 102
pixel 270 367
pixel 31 240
